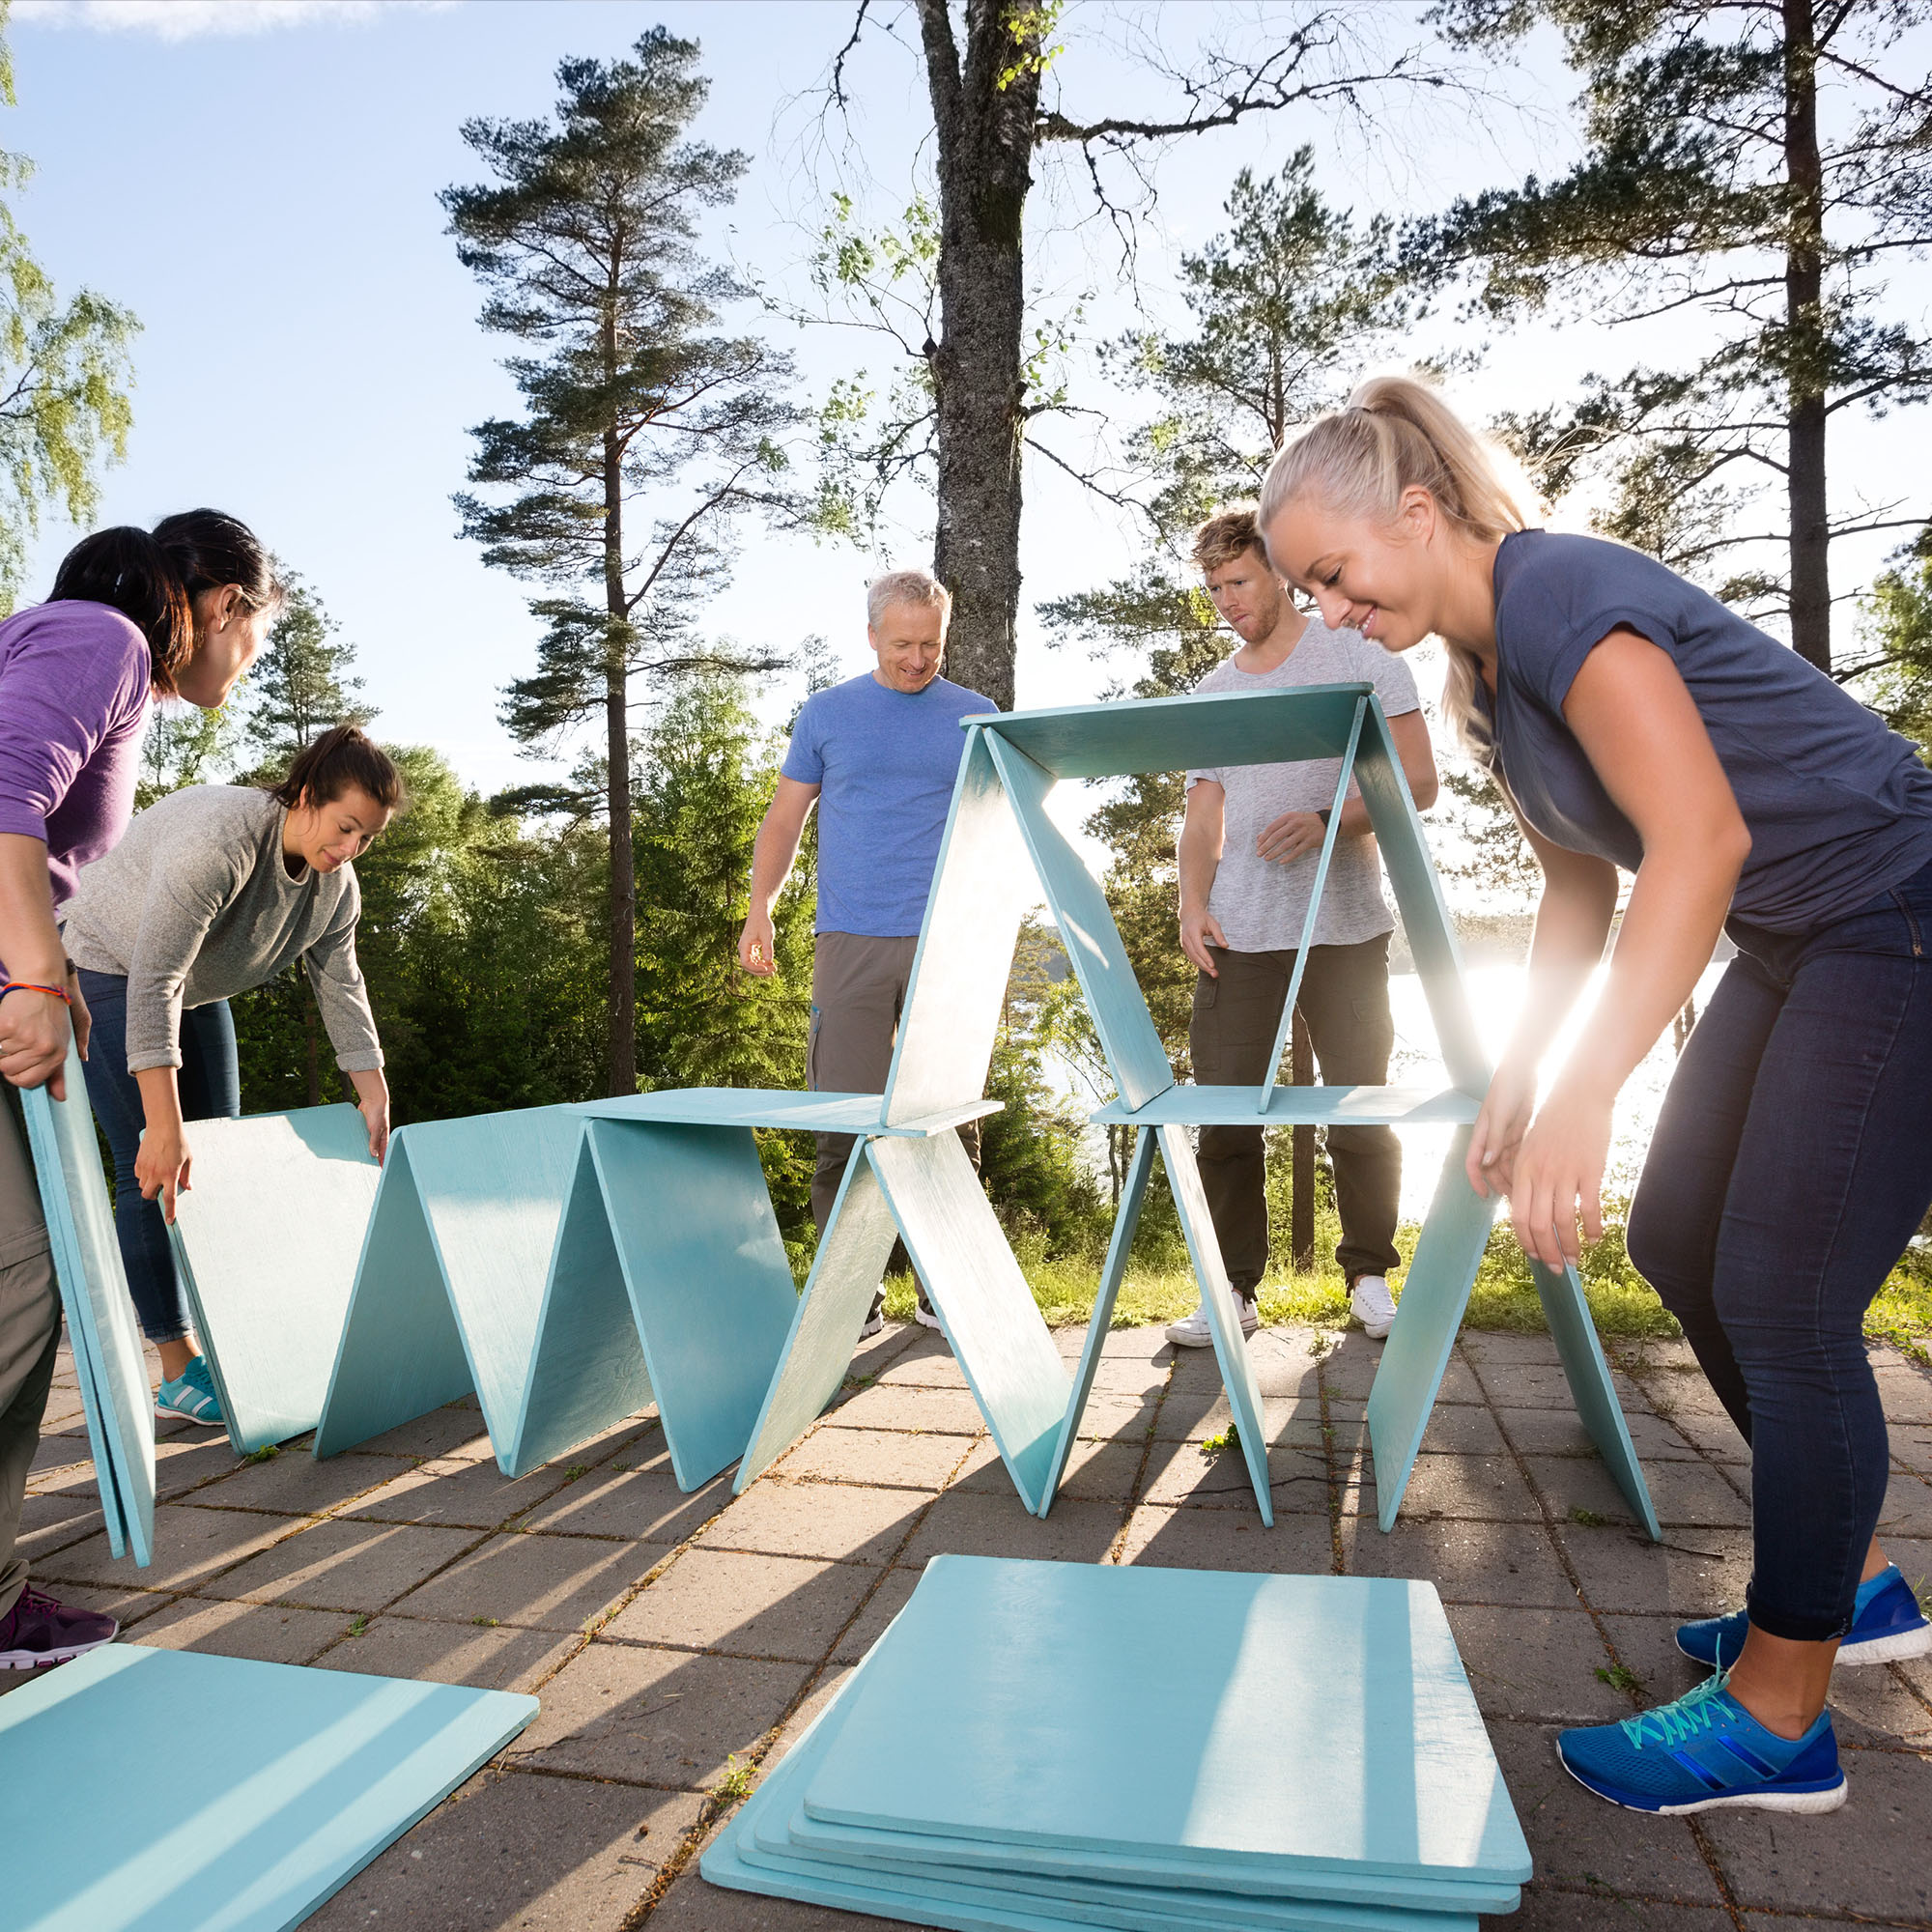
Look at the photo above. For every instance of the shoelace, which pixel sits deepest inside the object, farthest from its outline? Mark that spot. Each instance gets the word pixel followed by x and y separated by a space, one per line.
pixel 1673 1723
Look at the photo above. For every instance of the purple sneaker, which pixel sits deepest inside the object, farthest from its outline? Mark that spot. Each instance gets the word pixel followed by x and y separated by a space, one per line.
pixel 38 1632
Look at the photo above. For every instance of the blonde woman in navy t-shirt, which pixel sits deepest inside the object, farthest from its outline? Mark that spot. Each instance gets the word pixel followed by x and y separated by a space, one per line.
pixel 1635 722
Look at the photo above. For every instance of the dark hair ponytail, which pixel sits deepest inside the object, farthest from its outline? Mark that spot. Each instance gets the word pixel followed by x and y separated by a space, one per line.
pixel 342 758
pixel 154 578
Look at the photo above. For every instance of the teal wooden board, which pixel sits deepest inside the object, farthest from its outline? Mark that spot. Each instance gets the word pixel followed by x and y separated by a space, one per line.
pixel 1135 1056
pixel 1434 1294
pixel 1193 1106
pixel 1418 894
pixel 982 887
pixel 1231 1346
pixel 401 1353
pixel 1331 831
pixel 1169 735
pixel 587 1370
pixel 1126 1218
pixel 1568 1312
pixel 459 1246
pixel 1296 1725
pixel 772 1107
pixel 817 1352
pixel 708 1279
pixel 266 1243
pixel 983 1301
pixel 106 1338
pixel 311 1775
pixel 755 1853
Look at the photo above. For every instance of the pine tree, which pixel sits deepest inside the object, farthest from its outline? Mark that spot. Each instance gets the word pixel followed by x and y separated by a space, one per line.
pixel 302 685
pixel 644 435
pixel 1756 167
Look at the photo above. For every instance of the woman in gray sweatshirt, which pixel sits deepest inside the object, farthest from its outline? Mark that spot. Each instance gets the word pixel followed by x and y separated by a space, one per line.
pixel 216 889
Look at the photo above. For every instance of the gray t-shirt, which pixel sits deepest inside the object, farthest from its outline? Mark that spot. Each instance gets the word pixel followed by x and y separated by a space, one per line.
pixel 1838 807
pixel 195 905
pixel 1258 902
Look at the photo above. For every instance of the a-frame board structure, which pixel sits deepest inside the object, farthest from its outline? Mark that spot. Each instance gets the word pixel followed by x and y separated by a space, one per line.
pixel 1027 754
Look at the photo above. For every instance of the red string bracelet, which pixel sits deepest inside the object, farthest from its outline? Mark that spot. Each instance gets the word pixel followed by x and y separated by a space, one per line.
pixel 28 986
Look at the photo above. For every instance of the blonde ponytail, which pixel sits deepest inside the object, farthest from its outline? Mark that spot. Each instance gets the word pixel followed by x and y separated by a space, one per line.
pixel 1397 433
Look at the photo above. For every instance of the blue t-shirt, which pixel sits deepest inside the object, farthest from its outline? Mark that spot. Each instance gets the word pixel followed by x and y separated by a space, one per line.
pixel 1839 807
pixel 885 761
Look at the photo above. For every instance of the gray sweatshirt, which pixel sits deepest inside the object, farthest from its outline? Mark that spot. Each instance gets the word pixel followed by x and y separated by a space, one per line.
pixel 195 905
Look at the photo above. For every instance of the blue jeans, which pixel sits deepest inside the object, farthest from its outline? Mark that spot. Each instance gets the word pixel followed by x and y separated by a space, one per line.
pixel 209 1083
pixel 1791 1165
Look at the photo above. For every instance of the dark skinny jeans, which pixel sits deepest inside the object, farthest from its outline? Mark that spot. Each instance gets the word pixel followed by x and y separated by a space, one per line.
pixel 210 1085
pixel 1791 1164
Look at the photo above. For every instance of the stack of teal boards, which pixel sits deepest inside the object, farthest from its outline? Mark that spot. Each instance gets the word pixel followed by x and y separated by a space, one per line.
pixel 300 1778
pixel 1037 1745
pixel 266 1243
pixel 107 1358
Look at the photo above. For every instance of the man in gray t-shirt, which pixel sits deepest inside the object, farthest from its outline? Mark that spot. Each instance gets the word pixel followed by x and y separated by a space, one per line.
pixel 1248 849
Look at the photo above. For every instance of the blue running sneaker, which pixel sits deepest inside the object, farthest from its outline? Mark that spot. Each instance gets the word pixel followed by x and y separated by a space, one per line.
pixel 1886 1626
pixel 1704 1752
pixel 190 1398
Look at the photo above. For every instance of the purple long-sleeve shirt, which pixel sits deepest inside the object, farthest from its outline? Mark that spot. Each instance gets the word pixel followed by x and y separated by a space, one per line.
pixel 73 700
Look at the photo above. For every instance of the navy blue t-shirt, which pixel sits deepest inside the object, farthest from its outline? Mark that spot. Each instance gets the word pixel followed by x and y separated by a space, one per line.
pixel 885 761
pixel 1839 807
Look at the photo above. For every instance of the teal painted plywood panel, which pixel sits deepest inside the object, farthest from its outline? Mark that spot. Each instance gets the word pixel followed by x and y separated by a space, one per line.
pixel 494 1189
pixel 269 1309
pixel 845 1274
pixel 1135 1056
pixel 777 1107
pixel 315 1773
pixel 1434 1294
pixel 708 1278
pixel 981 888
pixel 1231 1347
pixel 401 1353
pixel 982 1300
pixel 1008 1674
pixel 1418 893
pixel 99 1312
pixel 587 1370
pixel 1126 1218
pixel 1193 1106
pixel 1568 1312
pixel 1168 734
pixel 1330 834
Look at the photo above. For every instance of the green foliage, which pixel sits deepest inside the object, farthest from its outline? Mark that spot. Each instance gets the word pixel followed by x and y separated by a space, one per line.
pixel 65 372
pixel 300 686
pixel 1895 670
pixel 1759 185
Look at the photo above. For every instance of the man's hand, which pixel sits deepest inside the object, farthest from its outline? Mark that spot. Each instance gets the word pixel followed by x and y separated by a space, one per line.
pixel 1291 836
pixel 758 948
pixel 34 1032
pixel 162 1166
pixel 1198 930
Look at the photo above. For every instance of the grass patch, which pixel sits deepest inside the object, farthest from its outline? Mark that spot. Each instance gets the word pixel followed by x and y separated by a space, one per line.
pixel 1219 1445
pixel 1620 1677
pixel 736 1783
pixel 267 1453
pixel 1590 1519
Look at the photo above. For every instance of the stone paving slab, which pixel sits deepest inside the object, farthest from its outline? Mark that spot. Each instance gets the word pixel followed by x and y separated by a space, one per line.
pixel 678 1643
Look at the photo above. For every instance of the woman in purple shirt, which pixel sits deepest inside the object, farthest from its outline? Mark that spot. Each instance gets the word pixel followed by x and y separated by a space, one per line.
pixel 180 611
pixel 1635 722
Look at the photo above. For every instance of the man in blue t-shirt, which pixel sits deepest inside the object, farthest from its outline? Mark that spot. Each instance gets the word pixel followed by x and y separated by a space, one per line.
pixel 878 754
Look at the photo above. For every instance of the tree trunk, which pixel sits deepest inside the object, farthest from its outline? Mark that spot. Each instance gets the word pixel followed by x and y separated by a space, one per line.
pixel 984 116
pixel 624 1000
pixel 1803 290
pixel 1301 1177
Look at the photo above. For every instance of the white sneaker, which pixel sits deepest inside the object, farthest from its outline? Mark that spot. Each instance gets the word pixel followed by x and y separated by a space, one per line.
pixel 925 1318
pixel 875 1315
pixel 1371 1305
pixel 1192 1331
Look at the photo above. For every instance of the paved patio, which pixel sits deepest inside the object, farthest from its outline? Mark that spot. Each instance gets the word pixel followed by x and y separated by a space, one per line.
pixel 676 1641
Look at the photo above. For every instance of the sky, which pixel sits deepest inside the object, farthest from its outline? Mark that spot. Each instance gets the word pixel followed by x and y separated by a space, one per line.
pixel 258 182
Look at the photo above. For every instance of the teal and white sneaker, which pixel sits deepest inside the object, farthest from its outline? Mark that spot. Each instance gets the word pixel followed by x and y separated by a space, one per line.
pixel 190 1398
pixel 1702 1753
pixel 1888 1626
